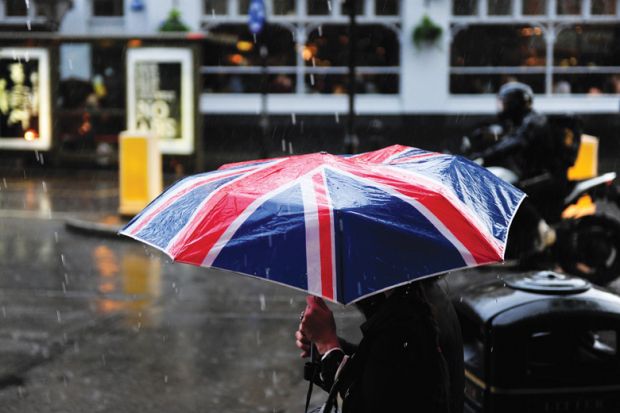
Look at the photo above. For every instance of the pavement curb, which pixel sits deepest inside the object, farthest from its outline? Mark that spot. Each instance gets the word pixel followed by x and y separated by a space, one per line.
pixel 87 227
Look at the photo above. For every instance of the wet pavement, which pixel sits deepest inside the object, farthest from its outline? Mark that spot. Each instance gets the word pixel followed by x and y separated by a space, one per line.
pixel 102 324
pixel 108 325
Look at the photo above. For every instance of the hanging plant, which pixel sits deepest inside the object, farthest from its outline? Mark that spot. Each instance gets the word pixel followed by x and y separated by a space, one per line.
pixel 426 33
pixel 173 23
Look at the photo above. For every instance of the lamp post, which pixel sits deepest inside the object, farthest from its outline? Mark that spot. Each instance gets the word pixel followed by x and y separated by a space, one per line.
pixel 256 24
pixel 351 141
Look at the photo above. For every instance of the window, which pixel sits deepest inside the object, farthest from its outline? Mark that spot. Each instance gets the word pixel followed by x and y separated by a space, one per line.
pixel 327 55
pixel 464 7
pixel 215 7
pixel 499 7
pixel 509 53
pixel 317 7
pixel 566 48
pixel 235 65
pixel 604 7
pixel 534 7
pixel 107 8
pixel 17 8
pixel 307 42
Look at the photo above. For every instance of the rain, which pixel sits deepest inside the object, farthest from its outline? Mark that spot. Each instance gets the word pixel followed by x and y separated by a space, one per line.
pixel 106 104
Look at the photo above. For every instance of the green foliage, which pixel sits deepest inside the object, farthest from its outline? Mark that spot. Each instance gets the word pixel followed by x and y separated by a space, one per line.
pixel 426 32
pixel 173 23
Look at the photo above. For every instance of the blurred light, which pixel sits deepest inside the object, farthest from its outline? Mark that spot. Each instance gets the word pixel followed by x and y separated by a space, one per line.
pixel 244 46
pixel 134 43
pixel 31 135
pixel 236 59
pixel 307 53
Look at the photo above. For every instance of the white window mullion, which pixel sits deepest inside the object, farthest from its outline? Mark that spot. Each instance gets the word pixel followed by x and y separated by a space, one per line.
pixel 586 8
pixel 369 10
pixel 483 9
pixel 550 36
pixel 233 8
pixel 517 8
pixel 301 37
pixel 552 8
pixel 336 7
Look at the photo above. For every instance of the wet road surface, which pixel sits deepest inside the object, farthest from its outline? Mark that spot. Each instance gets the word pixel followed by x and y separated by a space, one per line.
pixel 109 325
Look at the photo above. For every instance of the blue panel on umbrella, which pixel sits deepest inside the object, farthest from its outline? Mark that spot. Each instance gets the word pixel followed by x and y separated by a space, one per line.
pixel 405 249
pixel 161 229
pixel 271 243
pixel 493 199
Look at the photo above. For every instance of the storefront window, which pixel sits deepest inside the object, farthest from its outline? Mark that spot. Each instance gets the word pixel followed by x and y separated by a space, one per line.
pixel 327 49
pixel 534 7
pixel 241 54
pixel 499 7
pixel 604 7
pixel 508 53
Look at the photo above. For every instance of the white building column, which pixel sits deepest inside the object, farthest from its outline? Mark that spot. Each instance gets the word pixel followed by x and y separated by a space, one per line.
pixel 425 70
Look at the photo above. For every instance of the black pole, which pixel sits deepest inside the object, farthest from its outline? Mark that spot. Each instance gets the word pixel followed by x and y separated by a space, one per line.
pixel 264 117
pixel 351 142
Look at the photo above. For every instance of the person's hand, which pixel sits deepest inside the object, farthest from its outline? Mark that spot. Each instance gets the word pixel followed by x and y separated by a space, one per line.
pixel 317 326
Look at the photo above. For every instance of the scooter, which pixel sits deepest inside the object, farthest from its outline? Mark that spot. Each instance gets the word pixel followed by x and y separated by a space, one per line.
pixel 585 239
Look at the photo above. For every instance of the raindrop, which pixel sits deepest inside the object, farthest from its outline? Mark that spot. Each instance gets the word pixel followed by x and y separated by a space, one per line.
pixel 20 391
pixel 66 278
pixel 274 378
pixel 28 25
pixel 76 347
pixel 263 304
pixel 283 145
pixel 103 359
pixel 58 316
pixel 62 259
pixel 313 62
pixel 36 155
pixel 290 148
pixel 4 182
pixel 293 119
pixel 329 5
pixel 461 299
pixel 267 270
pixel 56 236
pixel 4 311
pixel 258 339
pixel 166 379
pixel 41 159
pixel 213 12
pixel 270 241
pixel 320 30
pixel 312 79
pixel 337 116
pixel 64 288
pixel 44 185
pixel 340 224
pixel 405 344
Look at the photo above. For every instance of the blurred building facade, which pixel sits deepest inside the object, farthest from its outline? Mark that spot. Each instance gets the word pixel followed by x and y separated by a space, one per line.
pixel 423 67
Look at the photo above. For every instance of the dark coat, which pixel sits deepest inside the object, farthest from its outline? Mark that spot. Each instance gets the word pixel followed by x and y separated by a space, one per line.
pixel 404 366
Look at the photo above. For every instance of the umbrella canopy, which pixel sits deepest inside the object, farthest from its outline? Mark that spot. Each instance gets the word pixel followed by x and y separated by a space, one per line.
pixel 342 228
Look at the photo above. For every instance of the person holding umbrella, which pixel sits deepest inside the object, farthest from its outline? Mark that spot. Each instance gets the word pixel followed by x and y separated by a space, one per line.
pixel 411 356
pixel 364 229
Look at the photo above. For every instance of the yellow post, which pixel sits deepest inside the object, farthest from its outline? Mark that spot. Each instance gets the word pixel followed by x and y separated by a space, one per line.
pixel 140 171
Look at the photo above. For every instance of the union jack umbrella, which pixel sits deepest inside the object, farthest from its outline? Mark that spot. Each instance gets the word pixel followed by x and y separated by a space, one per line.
pixel 342 228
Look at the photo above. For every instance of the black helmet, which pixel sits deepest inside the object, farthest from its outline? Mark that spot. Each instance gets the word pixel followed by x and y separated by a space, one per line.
pixel 516 101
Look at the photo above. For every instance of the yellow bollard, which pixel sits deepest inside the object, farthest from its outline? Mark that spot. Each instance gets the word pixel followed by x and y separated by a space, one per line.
pixel 140 171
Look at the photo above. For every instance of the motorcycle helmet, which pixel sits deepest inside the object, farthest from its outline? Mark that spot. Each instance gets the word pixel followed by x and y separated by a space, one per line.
pixel 515 101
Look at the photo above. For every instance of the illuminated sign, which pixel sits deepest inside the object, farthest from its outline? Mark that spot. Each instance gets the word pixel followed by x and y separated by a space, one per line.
pixel 24 99
pixel 160 96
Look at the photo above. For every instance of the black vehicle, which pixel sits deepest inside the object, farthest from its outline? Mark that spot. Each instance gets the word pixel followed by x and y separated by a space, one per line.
pixel 540 342
pixel 586 244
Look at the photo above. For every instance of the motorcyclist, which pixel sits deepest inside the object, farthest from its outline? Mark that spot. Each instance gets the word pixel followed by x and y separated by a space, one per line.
pixel 532 149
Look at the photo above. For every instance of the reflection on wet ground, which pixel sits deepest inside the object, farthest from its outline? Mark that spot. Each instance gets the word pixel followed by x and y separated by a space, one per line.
pixel 108 325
